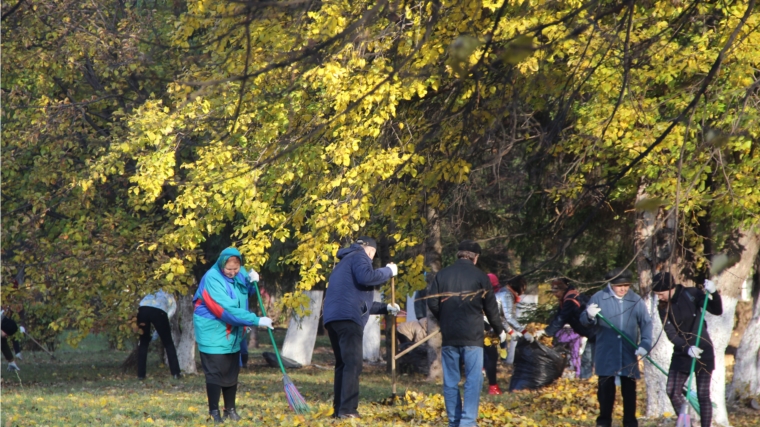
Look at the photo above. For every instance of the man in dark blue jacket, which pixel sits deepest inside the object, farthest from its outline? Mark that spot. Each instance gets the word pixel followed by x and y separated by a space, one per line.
pixel 348 305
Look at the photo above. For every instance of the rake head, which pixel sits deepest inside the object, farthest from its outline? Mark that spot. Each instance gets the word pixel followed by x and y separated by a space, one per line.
pixel 295 400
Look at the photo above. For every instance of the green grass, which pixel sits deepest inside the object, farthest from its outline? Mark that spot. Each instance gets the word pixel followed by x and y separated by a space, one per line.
pixel 85 386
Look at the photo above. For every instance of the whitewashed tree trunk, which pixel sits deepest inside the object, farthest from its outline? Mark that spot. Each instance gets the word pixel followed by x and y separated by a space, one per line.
pixel 186 343
pixel 729 284
pixel 658 402
pixel 302 331
pixel 746 382
pixel 410 314
pixel 648 258
pixel 371 341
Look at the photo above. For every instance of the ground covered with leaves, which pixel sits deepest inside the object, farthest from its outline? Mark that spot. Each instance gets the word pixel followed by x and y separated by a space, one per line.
pixel 85 386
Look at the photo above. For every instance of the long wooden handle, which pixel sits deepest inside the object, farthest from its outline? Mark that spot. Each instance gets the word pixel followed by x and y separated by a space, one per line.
pixel 393 338
pixel 417 344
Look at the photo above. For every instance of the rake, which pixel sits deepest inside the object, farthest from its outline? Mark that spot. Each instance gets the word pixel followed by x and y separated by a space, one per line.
pixel 295 400
pixel 690 395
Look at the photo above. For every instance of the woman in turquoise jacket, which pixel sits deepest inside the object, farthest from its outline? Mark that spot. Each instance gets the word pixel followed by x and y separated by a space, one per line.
pixel 221 313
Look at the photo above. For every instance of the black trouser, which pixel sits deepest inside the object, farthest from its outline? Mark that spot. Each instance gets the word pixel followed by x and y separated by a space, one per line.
pixel 9 327
pixel 213 391
pixel 676 381
pixel 490 357
pixel 346 340
pixel 160 320
pixel 606 395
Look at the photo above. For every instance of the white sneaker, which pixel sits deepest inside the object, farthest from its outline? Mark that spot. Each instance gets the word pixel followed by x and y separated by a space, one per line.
pixel 13 367
pixel 18 356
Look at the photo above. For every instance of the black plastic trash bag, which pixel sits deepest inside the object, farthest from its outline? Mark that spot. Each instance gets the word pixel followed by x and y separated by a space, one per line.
pixel 271 359
pixel 535 366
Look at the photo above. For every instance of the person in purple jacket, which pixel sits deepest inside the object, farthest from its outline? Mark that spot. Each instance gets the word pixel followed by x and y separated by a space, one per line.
pixel 348 305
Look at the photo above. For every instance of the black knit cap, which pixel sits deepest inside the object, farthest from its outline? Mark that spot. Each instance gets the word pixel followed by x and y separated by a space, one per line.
pixel 662 282
pixel 469 246
pixel 619 276
pixel 367 241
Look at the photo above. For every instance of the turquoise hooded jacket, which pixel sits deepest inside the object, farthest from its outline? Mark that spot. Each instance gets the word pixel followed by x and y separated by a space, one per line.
pixel 221 308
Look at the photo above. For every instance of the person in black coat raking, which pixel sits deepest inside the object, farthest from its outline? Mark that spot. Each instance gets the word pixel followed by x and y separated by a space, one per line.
pixel 680 310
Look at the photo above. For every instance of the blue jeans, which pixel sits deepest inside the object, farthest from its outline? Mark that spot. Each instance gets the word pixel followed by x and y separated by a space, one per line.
pixel 472 357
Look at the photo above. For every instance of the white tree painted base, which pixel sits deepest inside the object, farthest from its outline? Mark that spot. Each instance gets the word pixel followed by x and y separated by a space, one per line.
pixel 371 342
pixel 746 382
pixel 720 328
pixel 658 402
pixel 302 331
pixel 186 344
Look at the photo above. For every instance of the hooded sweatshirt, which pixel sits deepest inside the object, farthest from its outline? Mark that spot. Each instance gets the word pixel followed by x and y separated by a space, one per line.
pixel 221 308
pixel 351 286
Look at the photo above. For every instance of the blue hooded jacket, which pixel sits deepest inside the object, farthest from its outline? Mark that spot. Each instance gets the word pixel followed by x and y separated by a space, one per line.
pixel 221 308
pixel 351 285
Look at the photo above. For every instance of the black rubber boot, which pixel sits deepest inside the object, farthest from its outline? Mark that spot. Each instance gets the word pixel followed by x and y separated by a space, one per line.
pixel 216 416
pixel 231 414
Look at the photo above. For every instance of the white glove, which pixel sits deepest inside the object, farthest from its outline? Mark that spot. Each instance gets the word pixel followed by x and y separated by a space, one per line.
pixel 528 336
pixel 393 309
pixel 517 334
pixel 592 310
pixel 503 336
pixel 21 328
pixel 539 334
pixel 641 352
pixel 695 352
pixel 710 286
pixel 394 268
pixel 253 276
pixel 265 321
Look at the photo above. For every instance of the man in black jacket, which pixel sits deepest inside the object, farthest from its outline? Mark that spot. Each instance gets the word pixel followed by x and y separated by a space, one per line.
pixel 680 310
pixel 458 297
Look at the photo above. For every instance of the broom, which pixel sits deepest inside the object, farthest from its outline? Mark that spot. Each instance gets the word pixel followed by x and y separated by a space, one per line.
pixel 295 400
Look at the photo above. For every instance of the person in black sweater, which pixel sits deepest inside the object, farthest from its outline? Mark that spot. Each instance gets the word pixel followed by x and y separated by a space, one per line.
pixel 458 297
pixel 680 309
pixel 572 305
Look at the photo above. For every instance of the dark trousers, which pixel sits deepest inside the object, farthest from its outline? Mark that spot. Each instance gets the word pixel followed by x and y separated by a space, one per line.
pixel 490 357
pixel 606 395
pixel 10 327
pixel 676 381
pixel 214 391
pixel 160 320
pixel 346 340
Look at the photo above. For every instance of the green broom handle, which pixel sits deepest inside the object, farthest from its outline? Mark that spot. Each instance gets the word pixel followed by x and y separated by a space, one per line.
pixel 630 341
pixel 699 336
pixel 271 335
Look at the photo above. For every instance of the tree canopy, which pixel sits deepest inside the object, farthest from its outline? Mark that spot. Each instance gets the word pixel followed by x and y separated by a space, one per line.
pixel 134 132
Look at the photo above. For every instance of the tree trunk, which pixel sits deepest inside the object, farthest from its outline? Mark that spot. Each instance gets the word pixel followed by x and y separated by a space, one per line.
pixel 648 257
pixel 371 340
pixel 433 250
pixel 186 342
pixel 302 331
pixel 729 283
pixel 746 381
